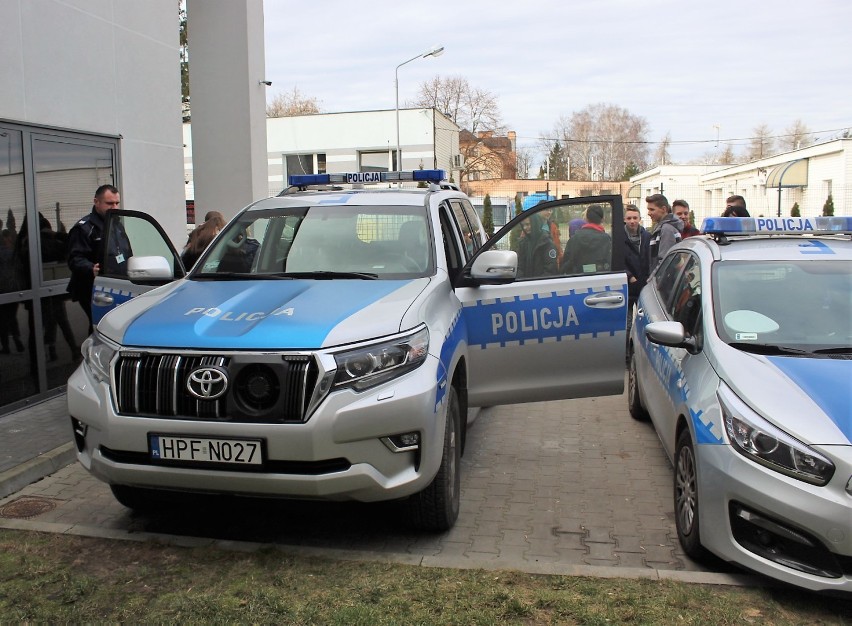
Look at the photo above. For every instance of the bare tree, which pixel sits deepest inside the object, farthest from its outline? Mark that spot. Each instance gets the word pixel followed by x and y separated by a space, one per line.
pixel 471 108
pixel 727 156
pixel 292 103
pixel 601 141
pixel 525 161
pixel 796 136
pixel 762 143
pixel 661 154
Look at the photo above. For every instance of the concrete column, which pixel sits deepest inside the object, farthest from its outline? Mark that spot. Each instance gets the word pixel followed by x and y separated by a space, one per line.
pixel 228 104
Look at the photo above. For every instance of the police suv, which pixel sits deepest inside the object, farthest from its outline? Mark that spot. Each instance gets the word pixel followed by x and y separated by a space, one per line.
pixel 333 342
pixel 741 353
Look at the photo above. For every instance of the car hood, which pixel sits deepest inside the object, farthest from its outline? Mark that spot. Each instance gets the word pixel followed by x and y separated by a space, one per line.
pixel 262 314
pixel 809 398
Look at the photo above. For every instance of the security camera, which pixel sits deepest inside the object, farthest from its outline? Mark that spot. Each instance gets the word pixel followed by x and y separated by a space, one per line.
pixel 268 83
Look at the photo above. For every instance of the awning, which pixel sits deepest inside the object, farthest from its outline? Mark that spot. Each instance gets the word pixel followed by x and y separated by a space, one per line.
pixel 792 174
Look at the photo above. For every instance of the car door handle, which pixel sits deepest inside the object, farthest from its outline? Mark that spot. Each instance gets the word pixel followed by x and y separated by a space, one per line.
pixel 102 299
pixel 604 300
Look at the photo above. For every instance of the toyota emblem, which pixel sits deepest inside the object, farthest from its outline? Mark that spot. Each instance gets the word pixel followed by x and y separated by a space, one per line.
pixel 207 383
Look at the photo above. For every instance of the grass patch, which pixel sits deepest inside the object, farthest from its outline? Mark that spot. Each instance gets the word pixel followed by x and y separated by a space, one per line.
pixel 49 578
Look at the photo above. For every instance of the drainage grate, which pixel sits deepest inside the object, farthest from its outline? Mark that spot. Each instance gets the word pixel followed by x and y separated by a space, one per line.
pixel 26 507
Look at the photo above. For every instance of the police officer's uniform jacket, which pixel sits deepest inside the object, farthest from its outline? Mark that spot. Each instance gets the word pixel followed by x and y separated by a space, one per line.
pixel 86 247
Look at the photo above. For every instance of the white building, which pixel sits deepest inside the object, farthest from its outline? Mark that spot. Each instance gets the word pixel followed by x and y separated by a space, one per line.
pixel 359 141
pixel 770 186
pixel 91 95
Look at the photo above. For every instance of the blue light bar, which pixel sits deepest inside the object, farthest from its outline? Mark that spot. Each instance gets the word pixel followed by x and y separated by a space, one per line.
pixel 776 225
pixel 361 178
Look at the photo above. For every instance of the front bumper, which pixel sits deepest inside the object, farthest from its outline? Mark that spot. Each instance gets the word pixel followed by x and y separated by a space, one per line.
pixel 775 525
pixel 337 454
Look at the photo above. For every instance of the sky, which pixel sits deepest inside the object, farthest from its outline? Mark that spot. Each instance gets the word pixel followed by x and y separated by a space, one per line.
pixel 698 71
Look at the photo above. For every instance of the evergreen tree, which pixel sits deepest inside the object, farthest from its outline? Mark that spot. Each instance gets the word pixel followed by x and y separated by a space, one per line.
pixel 794 212
pixel 828 207
pixel 515 233
pixel 488 216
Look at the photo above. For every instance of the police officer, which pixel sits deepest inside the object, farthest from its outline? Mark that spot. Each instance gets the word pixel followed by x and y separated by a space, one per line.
pixel 85 249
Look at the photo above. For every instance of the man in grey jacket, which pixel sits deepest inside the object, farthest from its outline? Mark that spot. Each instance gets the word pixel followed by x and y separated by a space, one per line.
pixel 666 228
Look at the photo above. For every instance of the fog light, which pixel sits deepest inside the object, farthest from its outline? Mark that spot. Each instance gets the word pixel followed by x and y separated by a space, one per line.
pixel 79 429
pixel 403 442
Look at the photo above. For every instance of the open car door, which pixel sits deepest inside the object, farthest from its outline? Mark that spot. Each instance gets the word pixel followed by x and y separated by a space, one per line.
pixel 137 256
pixel 558 328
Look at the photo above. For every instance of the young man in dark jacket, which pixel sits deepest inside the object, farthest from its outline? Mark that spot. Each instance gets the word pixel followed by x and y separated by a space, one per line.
pixel 637 254
pixel 589 249
pixel 666 231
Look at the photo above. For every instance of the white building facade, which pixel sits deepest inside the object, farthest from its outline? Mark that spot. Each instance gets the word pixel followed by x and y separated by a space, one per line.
pixel 361 141
pixel 770 186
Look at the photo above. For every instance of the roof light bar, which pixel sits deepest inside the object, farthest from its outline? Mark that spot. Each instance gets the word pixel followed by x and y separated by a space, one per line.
pixel 351 178
pixel 732 226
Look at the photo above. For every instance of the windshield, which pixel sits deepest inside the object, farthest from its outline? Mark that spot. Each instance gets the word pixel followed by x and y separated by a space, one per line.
pixel 322 242
pixel 798 305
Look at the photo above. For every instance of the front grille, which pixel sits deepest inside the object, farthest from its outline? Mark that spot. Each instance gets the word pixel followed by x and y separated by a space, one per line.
pixel 261 389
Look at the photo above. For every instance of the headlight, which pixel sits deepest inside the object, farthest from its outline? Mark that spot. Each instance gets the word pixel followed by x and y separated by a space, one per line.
pixel 98 352
pixel 372 365
pixel 754 437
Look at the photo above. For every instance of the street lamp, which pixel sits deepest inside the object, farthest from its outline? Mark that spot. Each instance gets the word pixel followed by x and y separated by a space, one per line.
pixel 434 51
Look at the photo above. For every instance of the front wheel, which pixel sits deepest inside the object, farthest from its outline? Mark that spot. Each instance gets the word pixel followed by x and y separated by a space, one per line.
pixel 634 400
pixel 686 497
pixel 436 508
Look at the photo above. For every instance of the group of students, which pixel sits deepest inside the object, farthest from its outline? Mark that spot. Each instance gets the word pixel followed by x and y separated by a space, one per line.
pixel 670 224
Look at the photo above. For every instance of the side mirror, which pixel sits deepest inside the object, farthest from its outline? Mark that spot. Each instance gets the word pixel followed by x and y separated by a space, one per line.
pixel 670 334
pixel 142 267
pixel 495 267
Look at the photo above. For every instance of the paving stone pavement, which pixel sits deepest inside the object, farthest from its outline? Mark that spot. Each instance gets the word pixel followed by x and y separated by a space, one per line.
pixel 573 486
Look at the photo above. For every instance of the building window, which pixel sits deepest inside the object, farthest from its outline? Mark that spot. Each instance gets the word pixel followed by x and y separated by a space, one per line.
pixel 47 181
pixel 296 164
pixel 377 161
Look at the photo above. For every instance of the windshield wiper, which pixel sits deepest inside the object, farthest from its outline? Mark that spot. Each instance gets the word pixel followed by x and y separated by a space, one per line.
pixel 766 348
pixel 327 275
pixel 837 350
pixel 241 276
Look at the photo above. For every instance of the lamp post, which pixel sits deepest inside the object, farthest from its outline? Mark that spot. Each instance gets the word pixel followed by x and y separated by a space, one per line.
pixel 434 51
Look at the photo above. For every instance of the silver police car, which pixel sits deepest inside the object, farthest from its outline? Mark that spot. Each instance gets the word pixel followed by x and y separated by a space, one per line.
pixel 741 354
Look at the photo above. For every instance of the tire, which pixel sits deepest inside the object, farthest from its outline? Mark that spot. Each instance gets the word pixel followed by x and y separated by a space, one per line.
pixel 436 508
pixel 634 400
pixel 686 498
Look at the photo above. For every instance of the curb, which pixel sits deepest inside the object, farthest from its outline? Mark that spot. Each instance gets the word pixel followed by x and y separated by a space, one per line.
pixel 26 473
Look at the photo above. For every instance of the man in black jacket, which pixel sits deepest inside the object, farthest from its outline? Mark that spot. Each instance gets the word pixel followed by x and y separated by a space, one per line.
pixel 637 258
pixel 85 249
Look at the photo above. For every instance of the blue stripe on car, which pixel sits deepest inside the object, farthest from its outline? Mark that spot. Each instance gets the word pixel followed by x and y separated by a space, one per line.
pixel 828 382
pixel 251 315
pixel 537 318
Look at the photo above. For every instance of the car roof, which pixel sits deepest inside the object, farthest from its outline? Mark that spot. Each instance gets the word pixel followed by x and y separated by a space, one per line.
pixel 354 197
pixel 776 247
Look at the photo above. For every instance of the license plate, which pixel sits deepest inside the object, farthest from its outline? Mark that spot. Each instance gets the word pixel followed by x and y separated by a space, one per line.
pixel 206 450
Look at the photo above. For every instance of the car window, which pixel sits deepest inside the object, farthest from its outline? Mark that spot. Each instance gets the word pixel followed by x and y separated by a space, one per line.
pixel 561 242
pixel 471 239
pixel 686 304
pixel 385 242
pixel 147 240
pixel 666 276
pixel 803 304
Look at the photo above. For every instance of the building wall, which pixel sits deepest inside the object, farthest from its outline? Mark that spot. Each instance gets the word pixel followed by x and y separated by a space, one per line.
pixel 427 138
pixel 110 68
pixel 829 171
